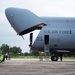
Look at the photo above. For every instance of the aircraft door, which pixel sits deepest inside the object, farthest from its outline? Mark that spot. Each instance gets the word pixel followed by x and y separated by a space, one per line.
pixel 46 39
pixel 46 45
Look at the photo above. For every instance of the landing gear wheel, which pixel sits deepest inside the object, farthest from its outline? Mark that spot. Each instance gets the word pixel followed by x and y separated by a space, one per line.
pixel 54 58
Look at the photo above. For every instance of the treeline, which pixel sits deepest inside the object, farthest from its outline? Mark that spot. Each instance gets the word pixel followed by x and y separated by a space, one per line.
pixel 16 51
pixel 10 50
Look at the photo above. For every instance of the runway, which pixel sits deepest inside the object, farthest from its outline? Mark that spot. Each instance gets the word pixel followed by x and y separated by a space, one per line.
pixel 36 67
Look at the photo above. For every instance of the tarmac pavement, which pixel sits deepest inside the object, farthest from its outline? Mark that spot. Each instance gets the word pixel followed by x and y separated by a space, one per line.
pixel 36 67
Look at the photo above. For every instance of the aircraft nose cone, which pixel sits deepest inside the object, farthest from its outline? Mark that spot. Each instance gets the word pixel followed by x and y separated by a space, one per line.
pixel 8 12
pixel 22 20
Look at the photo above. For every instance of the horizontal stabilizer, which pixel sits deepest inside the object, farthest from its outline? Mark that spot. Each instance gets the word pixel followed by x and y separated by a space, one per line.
pixel 23 21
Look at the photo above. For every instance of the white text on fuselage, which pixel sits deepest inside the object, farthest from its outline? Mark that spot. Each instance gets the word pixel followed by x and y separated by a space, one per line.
pixel 58 31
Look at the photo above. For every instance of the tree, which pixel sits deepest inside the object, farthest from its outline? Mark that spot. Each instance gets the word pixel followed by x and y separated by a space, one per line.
pixel 5 48
pixel 26 53
pixel 35 53
pixel 10 50
pixel 16 50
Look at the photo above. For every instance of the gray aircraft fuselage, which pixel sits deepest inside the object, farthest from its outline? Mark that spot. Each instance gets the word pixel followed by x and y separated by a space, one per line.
pixel 60 30
pixel 61 33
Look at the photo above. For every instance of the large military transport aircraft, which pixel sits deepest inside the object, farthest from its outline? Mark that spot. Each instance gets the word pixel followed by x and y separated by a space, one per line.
pixel 56 36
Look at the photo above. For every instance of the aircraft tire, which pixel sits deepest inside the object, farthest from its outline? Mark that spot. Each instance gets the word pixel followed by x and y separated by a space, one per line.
pixel 54 58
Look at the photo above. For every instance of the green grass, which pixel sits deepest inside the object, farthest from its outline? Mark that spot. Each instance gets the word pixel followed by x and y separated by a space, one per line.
pixel 32 57
pixel 72 58
pixel 26 57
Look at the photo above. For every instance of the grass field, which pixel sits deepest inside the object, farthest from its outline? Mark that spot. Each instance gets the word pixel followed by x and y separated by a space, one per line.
pixel 69 58
pixel 26 57
pixel 37 57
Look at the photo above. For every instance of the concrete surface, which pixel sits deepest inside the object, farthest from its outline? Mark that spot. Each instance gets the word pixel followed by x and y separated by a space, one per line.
pixel 36 67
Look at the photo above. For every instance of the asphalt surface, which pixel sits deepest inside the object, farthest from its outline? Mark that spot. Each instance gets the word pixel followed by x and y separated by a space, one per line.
pixel 36 67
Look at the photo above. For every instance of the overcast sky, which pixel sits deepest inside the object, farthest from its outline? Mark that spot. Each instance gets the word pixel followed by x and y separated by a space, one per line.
pixel 50 8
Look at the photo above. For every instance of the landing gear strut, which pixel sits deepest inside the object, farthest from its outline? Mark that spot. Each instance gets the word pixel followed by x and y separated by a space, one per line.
pixel 60 57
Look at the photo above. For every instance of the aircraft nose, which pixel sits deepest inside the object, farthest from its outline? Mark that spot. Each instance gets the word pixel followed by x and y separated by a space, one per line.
pixel 23 21
pixel 8 12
